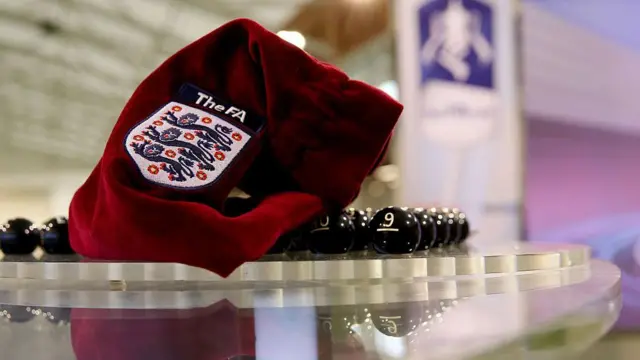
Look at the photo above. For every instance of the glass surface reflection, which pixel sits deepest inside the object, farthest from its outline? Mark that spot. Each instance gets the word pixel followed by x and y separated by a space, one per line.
pixel 222 331
pixel 409 330
pixel 48 312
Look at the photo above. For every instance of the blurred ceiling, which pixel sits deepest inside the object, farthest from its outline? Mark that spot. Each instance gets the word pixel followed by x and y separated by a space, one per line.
pixel 68 66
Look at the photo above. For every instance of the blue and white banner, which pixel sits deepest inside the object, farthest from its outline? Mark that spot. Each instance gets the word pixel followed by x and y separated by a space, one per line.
pixel 456 42
pixel 460 136
pixel 459 100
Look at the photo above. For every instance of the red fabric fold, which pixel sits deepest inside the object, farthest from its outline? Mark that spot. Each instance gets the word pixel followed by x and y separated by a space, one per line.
pixel 322 135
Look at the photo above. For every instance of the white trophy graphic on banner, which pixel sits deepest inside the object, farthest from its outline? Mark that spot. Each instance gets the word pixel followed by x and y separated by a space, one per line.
pixel 454 33
pixel 459 101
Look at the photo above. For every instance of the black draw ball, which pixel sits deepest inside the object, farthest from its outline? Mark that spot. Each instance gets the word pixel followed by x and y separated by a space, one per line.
pixel 463 227
pixel 362 237
pixel 283 243
pixel 443 231
pixel 55 237
pixel 395 231
pixel 19 237
pixel 298 240
pixel 331 234
pixel 428 230
pixel 457 225
pixel 397 320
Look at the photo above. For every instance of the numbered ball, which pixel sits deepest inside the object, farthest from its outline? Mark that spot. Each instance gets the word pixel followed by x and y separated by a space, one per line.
pixel 370 212
pixel 463 226
pixel 435 312
pixel 428 230
pixel 17 314
pixel 397 320
pixel 395 231
pixel 324 322
pixel 55 237
pixel 56 316
pixel 19 237
pixel 337 321
pixel 331 234
pixel 457 225
pixel 443 232
pixel 360 221
pixel 450 221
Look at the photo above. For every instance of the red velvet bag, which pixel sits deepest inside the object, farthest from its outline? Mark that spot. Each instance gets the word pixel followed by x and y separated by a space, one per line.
pixel 217 332
pixel 237 108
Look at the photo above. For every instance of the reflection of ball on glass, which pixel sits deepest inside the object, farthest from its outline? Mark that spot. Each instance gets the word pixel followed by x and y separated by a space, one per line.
pixel 17 314
pixel 57 316
pixel 397 320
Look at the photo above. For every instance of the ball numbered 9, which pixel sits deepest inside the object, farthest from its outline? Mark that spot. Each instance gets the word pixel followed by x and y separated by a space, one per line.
pixel 395 231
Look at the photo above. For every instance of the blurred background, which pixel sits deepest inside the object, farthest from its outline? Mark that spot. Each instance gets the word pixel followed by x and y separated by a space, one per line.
pixel 556 161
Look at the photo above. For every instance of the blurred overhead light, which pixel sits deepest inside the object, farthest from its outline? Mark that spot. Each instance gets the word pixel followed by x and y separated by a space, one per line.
pixel 294 38
pixel 361 2
pixel 375 188
pixel 387 173
pixel 391 88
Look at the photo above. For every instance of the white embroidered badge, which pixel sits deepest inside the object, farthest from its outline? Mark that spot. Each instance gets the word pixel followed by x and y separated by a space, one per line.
pixel 183 147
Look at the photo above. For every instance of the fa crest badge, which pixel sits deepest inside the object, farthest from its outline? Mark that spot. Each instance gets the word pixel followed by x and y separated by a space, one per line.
pixel 183 147
pixel 456 42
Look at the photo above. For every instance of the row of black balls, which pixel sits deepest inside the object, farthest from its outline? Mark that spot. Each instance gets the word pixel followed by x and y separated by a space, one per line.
pixel 390 230
pixel 394 320
pixel 22 237
pixel 23 314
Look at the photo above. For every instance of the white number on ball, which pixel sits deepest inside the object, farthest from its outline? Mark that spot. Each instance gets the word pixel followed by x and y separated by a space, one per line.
pixel 324 222
pixel 388 220
pixel 390 324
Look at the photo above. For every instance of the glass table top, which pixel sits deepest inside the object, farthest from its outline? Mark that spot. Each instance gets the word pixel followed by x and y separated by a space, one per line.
pixel 549 313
